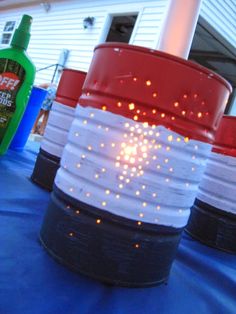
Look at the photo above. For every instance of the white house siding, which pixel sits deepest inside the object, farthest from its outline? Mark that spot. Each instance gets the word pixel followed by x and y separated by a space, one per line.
pixel 221 14
pixel 62 27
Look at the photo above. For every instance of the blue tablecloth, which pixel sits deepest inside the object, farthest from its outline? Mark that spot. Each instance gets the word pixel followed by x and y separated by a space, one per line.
pixel 202 279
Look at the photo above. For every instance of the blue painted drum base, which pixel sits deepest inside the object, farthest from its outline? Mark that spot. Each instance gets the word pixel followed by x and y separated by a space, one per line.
pixel 212 226
pixel 107 247
pixel 45 169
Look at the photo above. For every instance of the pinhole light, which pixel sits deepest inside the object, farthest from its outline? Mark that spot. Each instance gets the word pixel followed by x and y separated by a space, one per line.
pixel 147 207
pixel 213 215
pixel 56 132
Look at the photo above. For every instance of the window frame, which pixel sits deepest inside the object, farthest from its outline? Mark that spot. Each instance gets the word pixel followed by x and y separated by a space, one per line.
pixel 7 32
pixel 108 22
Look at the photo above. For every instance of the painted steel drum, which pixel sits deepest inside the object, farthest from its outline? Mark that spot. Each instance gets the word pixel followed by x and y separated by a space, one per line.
pixel 130 171
pixel 56 132
pixel 213 215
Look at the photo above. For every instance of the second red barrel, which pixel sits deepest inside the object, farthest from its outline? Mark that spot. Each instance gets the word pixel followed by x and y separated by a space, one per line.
pixel 213 216
pixel 59 122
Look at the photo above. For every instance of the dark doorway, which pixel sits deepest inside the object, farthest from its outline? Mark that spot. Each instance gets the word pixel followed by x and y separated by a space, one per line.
pixel 121 28
pixel 211 50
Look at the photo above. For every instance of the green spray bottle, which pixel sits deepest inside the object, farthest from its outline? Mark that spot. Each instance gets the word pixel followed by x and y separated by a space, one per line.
pixel 17 74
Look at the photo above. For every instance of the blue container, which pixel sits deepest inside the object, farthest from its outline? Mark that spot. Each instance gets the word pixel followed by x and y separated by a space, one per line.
pixel 36 99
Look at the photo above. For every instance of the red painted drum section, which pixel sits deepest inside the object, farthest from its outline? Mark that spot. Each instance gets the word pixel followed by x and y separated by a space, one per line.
pixel 150 86
pixel 70 86
pixel 225 141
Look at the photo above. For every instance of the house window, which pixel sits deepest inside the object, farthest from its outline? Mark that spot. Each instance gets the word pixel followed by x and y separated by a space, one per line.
pixel 121 28
pixel 7 32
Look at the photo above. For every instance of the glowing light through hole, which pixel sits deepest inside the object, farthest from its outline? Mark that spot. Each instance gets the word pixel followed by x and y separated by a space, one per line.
pixel 140 149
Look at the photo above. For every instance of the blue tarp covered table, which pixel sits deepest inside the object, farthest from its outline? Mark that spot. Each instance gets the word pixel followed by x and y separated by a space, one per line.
pixel 202 279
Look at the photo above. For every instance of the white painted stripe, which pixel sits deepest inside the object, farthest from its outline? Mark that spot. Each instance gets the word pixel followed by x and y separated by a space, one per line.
pixel 159 188
pixel 56 132
pixel 218 186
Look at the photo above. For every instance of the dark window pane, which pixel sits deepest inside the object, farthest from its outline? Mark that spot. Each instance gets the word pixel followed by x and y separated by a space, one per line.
pixel 6 38
pixel 121 28
pixel 9 26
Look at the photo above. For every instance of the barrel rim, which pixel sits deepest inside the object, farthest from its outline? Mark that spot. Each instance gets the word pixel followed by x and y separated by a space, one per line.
pixel 74 70
pixel 165 55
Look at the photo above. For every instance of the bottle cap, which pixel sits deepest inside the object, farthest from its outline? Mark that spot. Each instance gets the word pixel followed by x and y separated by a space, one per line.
pixel 21 36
